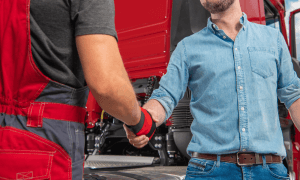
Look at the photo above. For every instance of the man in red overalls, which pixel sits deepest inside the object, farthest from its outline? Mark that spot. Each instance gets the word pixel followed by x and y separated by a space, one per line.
pixel 42 88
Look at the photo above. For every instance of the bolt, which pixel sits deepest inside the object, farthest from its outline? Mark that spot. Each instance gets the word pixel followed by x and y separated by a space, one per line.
pixel 159 138
pixel 159 145
pixel 156 145
pixel 156 138
pixel 90 123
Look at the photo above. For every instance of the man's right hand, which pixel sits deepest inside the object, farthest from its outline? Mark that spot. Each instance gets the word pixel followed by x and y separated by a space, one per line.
pixel 136 141
pixel 139 141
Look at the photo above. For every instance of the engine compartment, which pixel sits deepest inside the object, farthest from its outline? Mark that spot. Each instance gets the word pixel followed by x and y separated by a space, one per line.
pixel 105 134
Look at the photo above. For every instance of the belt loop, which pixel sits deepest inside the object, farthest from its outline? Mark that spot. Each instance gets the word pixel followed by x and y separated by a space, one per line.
pixel 35 114
pixel 257 158
pixel 264 161
pixel 218 160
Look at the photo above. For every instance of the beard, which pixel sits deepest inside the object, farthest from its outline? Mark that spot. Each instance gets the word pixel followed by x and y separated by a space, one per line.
pixel 217 7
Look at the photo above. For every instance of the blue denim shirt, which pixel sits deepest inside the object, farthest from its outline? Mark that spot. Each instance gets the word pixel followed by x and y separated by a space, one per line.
pixel 234 87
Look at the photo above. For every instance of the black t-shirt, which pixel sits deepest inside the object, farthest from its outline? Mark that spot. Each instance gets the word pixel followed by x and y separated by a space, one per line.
pixel 54 25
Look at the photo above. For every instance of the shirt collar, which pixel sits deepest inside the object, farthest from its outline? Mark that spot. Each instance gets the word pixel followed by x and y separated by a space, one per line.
pixel 213 27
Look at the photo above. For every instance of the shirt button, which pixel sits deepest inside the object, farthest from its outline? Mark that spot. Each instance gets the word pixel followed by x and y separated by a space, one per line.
pixel 242 108
pixel 214 26
pixel 241 87
pixel 243 129
pixel 236 49
pixel 244 150
pixel 224 37
pixel 239 67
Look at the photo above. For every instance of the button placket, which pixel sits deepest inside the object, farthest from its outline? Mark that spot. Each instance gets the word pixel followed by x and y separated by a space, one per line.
pixel 240 80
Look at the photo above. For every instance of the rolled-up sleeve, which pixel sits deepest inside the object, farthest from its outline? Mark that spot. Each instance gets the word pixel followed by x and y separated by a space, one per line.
pixel 174 83
pixel 288 82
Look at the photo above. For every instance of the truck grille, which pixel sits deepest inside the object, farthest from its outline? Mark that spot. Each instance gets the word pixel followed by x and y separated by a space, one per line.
pixel 181 116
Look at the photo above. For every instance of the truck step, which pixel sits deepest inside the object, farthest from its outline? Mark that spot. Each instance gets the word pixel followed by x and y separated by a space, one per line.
pixel 114 161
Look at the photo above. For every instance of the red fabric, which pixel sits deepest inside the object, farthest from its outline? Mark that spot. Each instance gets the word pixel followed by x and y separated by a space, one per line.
pixel 25 169
pixel 37 158
pixel 35 115
pixel 20 79
pixel 147 123
pixel 38 110
pixel 152 134
pixel 21 82
pixel 25 155
pixel 64 112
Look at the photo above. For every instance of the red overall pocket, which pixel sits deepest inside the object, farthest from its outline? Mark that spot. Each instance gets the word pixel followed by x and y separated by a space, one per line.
pixel 25 155
pixel 25 164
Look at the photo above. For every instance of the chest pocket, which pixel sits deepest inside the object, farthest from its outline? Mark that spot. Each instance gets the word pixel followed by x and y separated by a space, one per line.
pixel 263 61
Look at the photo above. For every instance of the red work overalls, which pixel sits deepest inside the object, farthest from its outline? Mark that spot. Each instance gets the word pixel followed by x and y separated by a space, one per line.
pixel 41 121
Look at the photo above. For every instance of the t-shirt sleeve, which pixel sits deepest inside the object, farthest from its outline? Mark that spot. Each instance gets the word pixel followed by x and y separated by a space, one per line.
pixel 94 17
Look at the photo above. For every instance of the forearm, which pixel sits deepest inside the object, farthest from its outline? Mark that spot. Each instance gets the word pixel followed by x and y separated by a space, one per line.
pixel 156 110
pixel 295 113
pixel 107 78
pixel 119 101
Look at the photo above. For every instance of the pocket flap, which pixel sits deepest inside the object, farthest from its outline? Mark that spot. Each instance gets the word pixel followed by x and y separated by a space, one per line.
pixel 263 61
pixel 31 164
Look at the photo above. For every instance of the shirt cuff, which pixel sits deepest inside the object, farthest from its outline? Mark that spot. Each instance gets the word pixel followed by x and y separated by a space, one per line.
pixel 289 94
pixel 166 102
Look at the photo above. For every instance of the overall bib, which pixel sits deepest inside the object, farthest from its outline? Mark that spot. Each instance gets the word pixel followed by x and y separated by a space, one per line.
pixel 41 121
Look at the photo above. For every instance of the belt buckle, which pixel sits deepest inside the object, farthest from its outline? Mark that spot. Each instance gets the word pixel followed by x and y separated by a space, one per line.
pixel 194 154
pixel 238 162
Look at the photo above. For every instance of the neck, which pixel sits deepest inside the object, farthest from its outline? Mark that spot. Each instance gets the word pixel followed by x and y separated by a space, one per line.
pixel 229 20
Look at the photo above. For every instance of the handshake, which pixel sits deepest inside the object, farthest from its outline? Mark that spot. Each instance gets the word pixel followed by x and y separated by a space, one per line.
pixel 140 134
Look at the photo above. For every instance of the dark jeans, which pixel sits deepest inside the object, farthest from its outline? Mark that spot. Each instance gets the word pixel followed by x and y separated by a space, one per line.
pixel 215 170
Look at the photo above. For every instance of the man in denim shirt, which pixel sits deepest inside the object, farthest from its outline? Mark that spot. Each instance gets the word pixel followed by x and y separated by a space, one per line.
pixel 235 70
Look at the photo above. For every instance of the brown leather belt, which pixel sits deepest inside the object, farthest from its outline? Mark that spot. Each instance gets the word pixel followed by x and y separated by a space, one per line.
pixel 240 158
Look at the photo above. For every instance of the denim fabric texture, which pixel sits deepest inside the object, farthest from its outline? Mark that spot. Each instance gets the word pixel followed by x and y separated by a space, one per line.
pixel 234 88
pixel 206 170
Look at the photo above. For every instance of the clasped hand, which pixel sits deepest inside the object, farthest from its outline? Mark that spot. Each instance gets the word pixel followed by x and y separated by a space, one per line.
pixel 137 141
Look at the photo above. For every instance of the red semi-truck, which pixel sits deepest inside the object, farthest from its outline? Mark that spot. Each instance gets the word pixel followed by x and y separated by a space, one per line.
pixel 148 33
